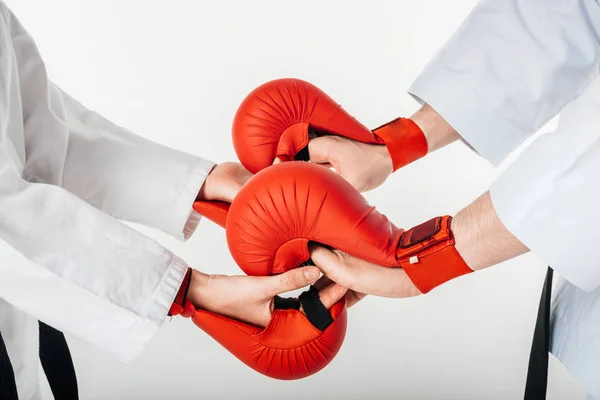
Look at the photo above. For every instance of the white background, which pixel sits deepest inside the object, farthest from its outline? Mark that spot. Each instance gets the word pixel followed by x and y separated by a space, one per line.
pixel 175 71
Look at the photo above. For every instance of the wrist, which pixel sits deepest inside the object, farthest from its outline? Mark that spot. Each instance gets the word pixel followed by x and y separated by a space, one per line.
pixel 463 242
pixel 481 238
pixel 437 131
pixel 404 140
pixel 384 159
pixel 199 283
pixel 205 192
pixel 428 254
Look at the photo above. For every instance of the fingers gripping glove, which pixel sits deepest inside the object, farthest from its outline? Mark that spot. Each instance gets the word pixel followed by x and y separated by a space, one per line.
pixel 294 344
pixel 284 207
pixel 278 119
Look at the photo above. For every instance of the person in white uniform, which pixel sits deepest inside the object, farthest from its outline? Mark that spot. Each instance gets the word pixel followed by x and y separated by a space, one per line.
pixel 66 176
pixel 511 67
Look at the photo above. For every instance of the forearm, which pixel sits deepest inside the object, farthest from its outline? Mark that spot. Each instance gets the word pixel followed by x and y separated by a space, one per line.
pixel 93 271
pixel 481 238
pixel 437 131
pixel 108 166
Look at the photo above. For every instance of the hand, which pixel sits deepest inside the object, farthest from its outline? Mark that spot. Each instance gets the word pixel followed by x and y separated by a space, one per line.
pixel 364 166
pixel 250 298
pixel 224 182
pixel 351 296
pixel 362 276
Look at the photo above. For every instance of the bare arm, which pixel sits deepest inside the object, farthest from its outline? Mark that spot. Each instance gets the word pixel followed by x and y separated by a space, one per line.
pixel 481 239
pixel 366 166
pixel 437 131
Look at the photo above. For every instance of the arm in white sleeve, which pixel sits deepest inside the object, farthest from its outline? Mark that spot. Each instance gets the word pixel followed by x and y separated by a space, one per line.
pixel 125 175
pixel 130 177
pixel 62 260
pixel 510 68
pixel 78 269
pixel 549 197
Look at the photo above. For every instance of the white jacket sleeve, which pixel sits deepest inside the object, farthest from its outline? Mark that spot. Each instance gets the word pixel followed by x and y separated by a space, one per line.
pixel 510 68
pixel 64 261
pixel 123 174
pixel 130 177
pixel 549 197
pixel 80 270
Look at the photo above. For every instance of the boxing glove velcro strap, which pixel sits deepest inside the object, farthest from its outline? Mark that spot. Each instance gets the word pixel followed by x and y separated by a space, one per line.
pixel 313 308
pixel 404 140
pixel 286 303
pixel 427 254
pixel 315 311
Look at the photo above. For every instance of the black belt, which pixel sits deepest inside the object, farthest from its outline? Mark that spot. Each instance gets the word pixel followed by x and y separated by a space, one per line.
pixel 537 372
pixel 56 361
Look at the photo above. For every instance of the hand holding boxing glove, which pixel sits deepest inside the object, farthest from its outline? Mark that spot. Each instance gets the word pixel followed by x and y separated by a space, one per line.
pixel 365 166
pixel 475 237
pixel 283 338
pixel 286 207
pixel 247 298
pixel 279 119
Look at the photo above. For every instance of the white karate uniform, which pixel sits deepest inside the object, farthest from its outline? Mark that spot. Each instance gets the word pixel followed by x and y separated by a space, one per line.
pixel 66 176
pixel 511 67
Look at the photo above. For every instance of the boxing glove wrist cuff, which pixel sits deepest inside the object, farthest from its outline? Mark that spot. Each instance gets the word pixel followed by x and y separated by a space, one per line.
pixel 428 255
pixel 178 305
pixel 404 140
pixel 315 311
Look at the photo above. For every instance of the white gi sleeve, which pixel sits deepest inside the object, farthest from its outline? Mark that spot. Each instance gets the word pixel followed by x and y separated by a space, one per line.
pixel 64 261
pixel 510 68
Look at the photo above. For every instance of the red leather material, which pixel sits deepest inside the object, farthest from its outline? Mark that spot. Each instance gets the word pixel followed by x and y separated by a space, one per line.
pixel 405 141
pixel 428 255
pixel 269 226
pixel 285 206
pixel 273 121
pixel 186 310
pixel 292 140
pixel 181 296
pixel 216 211
pixel 290 347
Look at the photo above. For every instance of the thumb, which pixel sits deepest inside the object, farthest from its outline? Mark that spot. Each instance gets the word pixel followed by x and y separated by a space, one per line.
pixel 296 278
pixel 320 150
pixel 330 263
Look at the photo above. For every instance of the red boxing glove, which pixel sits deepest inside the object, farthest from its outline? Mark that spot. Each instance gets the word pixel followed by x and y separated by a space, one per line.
pixel 284 207
pixel 294 344
pixel 278 119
